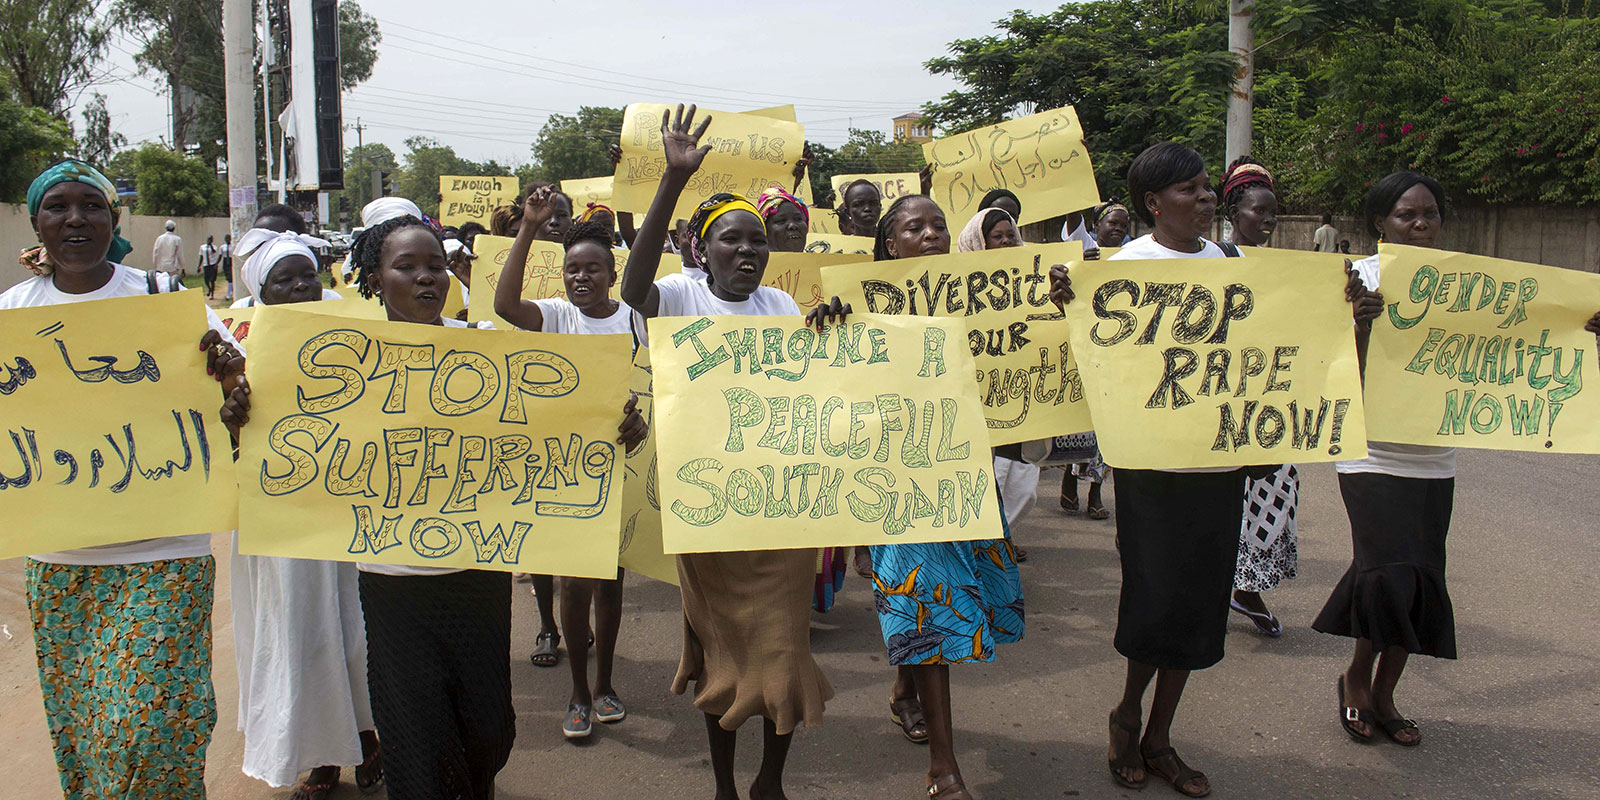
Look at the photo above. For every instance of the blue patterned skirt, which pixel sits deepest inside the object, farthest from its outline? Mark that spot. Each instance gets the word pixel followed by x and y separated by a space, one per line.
pixel 947 602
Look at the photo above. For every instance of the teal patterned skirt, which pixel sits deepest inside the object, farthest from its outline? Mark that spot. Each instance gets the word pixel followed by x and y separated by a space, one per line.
pixel 125 669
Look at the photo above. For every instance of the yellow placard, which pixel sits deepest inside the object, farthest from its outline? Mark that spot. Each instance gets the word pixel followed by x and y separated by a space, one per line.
pixel 1219 362
pixel 774 436
pixel 426 445
pixel 1039 157
pixel 641 496
pixel 824 220
pixel 749 152
pixel 891 185
pixel 1027 377
pixel 838 243
pixel 1474 351
pixel 468 198
pixel 584 191
pixel 112 425
pixel 800 274
pixel 541 276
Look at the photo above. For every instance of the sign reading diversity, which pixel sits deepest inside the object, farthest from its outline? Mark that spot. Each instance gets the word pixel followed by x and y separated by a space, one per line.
pixel 641 494
pixel 749 152
pixel 839 243
pixel 110 424
pixel 1474 351
pixel 1040 157
pixel 464 198
pixel 412 444
pixel 1026 373
pixel 800 274
pixel 863 432
pixel 891 185
pixel 1219 362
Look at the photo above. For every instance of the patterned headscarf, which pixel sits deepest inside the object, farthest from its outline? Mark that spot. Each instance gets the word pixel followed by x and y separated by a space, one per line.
pixel 708 212
pixel 1246 174
pixel 596 208
pixel 774 197
pixel 35 258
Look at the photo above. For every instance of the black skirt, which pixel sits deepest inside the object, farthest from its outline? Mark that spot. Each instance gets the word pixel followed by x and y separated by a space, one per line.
pixel 439 671
pixel 1394 592
pixel 1179 541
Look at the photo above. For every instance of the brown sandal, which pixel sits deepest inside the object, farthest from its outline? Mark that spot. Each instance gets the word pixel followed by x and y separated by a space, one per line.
pixel 948 787
pixel 907 713
pixel 1129 757
pixel 1180 778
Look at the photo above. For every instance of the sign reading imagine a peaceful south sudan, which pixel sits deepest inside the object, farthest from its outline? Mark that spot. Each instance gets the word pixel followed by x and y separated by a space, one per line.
pixel 1474 351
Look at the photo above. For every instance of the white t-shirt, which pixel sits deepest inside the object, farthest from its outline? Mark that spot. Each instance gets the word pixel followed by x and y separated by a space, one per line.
pixel 167 254
pixel 40 290
pixel 1389 458
pixel 1146 247
pixel 209 255
pixel 683 296
pixel 1325 239
pixel 249 302
pixel 405 570
pixel 561 316
pixel 1079 234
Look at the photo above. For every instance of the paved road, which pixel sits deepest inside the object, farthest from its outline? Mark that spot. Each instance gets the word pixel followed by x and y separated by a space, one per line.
pixel 1516 717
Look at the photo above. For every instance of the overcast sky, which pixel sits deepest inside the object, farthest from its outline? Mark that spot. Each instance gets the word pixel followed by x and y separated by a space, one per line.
pixel 483 76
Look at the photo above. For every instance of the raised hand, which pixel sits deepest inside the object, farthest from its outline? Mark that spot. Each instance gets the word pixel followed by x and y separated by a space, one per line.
pixel 537 208
pixel 925 177
pixel 681 141
pixel 1061 286
pixel 614 152
pixel 806 157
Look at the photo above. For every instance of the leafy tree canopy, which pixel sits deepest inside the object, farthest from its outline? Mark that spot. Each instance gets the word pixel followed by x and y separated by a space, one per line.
pixel 175 185
pixel 30 140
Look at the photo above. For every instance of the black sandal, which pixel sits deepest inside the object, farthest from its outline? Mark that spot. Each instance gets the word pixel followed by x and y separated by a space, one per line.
pixel 369 774
pixel 545 645
pixel 1129 758
pixel 1393 726
pixel 1349 716
pixel 1179 779
pixel 907 713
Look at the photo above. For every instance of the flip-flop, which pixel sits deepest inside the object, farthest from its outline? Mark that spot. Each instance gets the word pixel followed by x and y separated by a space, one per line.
pixel 545 645
pixel 1178 779
pixel 1391 727
pixel 907 713
pixel 1349 716
pixel 1129 756
pixel 1069 504
pixel 1266 623
pixel 1098 512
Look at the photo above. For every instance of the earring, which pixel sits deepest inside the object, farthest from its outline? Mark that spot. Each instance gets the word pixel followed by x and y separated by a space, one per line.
pixel 1155 213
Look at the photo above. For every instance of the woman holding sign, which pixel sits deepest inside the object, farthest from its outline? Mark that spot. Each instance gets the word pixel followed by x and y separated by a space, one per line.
pixel 122 631
pixel 940 603
pixel 1178 529
pixel 300 645
pixel 588 273
pixel 747 614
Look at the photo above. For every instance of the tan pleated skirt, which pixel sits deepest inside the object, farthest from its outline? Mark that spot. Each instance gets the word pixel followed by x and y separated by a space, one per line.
pixel 746 637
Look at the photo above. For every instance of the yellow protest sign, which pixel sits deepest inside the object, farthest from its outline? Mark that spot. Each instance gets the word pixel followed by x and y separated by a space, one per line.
pixel 800 274
pixel 772 435
pixel 584 191
pixel 112 425
pixel 1040 157
pixel 1219 362
pixel 824 220
pixel 1474 351
pixel 891 185
pixel 467 198
pixel 641 495
pixel 838 243
pixel 748 153
pixel 541 275
pixel 1026 374
pixel 425 445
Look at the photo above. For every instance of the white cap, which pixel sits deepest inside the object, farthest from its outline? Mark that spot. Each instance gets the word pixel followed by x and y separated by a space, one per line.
pixel 171 225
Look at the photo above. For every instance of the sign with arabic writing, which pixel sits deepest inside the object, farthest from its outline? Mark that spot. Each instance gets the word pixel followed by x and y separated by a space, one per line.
pixel 1040 157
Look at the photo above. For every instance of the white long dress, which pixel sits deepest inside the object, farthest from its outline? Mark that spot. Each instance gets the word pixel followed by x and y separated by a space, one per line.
pixel 302 657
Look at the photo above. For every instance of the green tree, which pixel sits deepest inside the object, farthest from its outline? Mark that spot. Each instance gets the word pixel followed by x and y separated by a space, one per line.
pixel 425 160
pixel 180 41
pixel 30 140
pixel 99 141
pixel 359 163
pixel 50 47
pixel 575 147
pixel 358 44
pixel 864 152
pixel 174 185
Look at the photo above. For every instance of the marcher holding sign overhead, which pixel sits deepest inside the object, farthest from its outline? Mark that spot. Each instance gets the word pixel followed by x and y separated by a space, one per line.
pixel 746 614
pixel 122 631
pixel 588 273
pixel 1178 529
pixel 939 603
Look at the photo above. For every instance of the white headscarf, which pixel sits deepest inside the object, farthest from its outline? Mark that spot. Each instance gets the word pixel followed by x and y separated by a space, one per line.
pixel 263 248
pixel 384 209
pixel 971 239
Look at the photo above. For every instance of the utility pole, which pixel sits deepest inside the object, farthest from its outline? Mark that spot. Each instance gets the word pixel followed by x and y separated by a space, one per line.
pixel 238 45
pixel 1241 101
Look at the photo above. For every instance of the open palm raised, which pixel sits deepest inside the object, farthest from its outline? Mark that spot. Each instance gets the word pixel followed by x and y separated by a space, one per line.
pixel 681 143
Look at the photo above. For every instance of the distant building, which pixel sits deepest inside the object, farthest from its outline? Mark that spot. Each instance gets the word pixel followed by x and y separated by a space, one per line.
pixel 909 127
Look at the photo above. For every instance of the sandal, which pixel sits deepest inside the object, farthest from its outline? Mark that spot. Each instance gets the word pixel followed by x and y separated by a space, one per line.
pixel 907 713
pixel 1129 756
pixel 1393 726
pixel 544 651
pixel 312 791
pixel 1069 504
pixel 369 773
pixel 948 787
pixel 1098 512
pixel 1349 716
pixel 1181 777
pixel 1265 622
pixel 1018 554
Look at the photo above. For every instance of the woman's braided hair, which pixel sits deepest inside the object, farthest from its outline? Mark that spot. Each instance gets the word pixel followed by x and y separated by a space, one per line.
pixel 880 245
pixel 591 232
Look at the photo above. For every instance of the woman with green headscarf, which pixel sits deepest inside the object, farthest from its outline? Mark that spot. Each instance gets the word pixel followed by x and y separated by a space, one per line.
pixel 123 631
